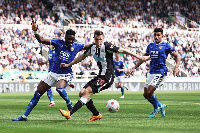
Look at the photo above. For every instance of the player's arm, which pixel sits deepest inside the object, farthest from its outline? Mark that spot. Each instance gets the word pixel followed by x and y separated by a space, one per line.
pixel 125 51
pixel 121 70
pixel 37 36
pixel 76 60
pixel 178 60
pixel 86 46
pixel 137 65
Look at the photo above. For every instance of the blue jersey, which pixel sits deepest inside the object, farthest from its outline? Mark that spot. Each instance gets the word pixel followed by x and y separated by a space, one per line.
pixel 119 65
pixel 158 54
pixel 51 58
pixel 64 54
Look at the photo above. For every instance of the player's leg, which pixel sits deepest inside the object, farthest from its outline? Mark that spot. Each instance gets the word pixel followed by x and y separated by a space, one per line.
pixel 154 81
pixel 102 84
pixel 60 88
pixel 90 88
pixel 122 89
pixel 116 82
pixel 50 96
pixel 151 97
pixel 84 99
pixel 41 89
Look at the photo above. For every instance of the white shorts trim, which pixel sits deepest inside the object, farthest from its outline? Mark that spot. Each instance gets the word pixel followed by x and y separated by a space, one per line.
pixel 52 78
pixel 119 79
pixel 156 80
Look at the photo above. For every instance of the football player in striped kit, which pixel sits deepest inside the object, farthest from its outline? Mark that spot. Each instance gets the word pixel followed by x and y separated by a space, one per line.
pixel 102 52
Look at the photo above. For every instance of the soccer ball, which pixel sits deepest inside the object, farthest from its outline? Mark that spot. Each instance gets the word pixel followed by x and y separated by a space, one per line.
pixel 112 105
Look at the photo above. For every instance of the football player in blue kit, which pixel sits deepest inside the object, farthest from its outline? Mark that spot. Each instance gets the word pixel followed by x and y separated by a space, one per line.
pixel 102 52
pixel 65 52
pixel 50 61
pixel 119 73
pixel 158 52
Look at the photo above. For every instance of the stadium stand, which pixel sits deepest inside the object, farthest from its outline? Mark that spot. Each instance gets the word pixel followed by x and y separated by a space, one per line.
pixel 126 23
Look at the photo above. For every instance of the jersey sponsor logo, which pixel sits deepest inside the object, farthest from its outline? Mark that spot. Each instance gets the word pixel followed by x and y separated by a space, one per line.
pixel 154 54
pixel 160 47
pixel 64 56
pixel 97 58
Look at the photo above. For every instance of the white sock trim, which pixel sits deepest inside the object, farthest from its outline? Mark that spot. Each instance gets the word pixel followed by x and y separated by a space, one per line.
pixel 52 102
pixel 84 100
pixel 24 116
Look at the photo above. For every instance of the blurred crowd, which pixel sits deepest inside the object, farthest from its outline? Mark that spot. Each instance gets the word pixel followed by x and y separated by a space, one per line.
pixel 133 22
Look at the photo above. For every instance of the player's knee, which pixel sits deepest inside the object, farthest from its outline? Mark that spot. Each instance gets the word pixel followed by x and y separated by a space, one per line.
pixel 149 94
pixel 80 94
pixel 145 95
pixel 116 86
pixel 85 93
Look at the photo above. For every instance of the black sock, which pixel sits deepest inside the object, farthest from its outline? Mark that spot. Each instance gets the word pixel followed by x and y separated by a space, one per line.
pixel 77 106
pixel 92 108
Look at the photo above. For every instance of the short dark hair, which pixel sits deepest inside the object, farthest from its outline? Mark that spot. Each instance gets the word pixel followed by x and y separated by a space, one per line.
pixel 158 30
pixel 70 32
pixel 98 33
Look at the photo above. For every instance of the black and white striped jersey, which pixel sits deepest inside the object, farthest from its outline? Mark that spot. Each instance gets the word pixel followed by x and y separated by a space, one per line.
pixel 103 56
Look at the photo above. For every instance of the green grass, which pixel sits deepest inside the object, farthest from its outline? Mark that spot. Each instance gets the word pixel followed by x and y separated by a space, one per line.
pixel 182 114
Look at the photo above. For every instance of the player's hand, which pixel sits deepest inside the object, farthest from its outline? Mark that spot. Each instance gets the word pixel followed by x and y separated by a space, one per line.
pixel 34 25
pixel 118 70
pixel 145 58
pixel 63 65
pixel 131 72
pixel 176 71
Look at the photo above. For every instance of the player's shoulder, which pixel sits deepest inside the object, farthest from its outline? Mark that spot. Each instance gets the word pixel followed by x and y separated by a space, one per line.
pixel 91 45
pixel 78 43
pixel 166 43
pixel 108 44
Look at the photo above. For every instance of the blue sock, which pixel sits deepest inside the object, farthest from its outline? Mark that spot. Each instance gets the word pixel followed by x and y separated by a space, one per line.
pixel 153 100
pixel 50 95
pixel 63 94
pixel 32 103
pixel 122 90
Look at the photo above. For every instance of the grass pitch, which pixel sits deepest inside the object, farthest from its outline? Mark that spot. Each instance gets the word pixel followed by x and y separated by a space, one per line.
pixel 182 114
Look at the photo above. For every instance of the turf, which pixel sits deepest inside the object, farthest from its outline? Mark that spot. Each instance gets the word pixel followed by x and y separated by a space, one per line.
pixel 182 114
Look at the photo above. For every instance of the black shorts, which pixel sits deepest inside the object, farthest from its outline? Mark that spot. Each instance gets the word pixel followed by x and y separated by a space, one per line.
pixel 100 83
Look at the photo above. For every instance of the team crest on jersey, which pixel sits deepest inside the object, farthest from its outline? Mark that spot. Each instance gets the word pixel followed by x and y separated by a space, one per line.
pixel 160 47
pixel 72 49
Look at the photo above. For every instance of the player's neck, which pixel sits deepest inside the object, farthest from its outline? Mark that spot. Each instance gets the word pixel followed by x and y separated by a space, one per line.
pixel 158 43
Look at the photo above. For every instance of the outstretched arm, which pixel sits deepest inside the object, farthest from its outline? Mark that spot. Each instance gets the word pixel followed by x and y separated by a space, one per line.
pixel 76 60
pixel 125 51
pixel 137 65
pixel 86 46
pixel 37 36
